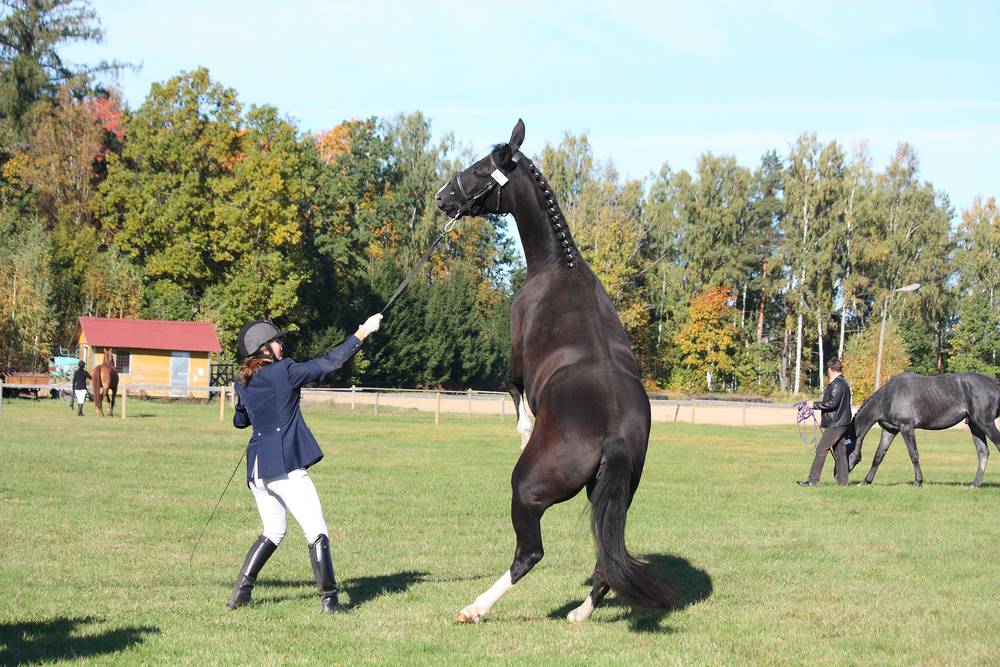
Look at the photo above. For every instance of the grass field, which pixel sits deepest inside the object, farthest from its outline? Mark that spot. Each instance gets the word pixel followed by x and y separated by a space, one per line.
pixel 99 518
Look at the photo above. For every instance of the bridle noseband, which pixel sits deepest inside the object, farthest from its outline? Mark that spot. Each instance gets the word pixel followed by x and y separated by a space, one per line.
pixel 498 178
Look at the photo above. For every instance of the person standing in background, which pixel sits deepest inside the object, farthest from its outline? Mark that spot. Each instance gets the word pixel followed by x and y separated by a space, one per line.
pixel 80 378
pixel 835 407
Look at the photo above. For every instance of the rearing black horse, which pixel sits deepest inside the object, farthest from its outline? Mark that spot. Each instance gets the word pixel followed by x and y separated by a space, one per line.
pixel 910 401
pixel 571 364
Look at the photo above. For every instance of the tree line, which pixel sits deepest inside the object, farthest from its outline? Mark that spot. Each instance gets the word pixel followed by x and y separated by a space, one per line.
pixel 195 206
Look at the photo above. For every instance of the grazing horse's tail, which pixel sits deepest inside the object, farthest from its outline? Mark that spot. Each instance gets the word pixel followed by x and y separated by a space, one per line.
pixel 629 577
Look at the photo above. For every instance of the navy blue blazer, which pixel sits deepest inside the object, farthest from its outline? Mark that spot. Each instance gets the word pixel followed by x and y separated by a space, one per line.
pixel 281 441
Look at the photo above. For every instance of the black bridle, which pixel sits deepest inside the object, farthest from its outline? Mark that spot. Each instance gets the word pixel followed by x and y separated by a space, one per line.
pixel 498 178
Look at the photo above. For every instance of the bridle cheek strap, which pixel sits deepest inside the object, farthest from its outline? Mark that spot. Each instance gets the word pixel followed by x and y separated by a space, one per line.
pixel 499 178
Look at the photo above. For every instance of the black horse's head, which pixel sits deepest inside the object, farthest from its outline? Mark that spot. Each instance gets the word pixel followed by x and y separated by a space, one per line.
pixel 477 190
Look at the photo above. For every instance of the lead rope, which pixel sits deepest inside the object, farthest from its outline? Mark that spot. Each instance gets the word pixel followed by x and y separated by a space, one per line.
pixel 423 258
pixel 805 414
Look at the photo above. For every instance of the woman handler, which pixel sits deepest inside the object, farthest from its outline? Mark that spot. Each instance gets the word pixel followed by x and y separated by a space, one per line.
pixel 281 448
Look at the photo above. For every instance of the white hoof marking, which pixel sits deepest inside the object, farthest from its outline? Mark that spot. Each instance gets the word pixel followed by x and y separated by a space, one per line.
pixel 581 613
pixel 476 611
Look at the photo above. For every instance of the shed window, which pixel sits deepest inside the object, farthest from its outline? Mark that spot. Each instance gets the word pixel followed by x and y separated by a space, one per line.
pixel 122 360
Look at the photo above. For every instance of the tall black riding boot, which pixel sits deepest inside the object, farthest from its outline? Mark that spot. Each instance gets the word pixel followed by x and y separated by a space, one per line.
pixel 256 557
pixel 322 563
pixel 79 409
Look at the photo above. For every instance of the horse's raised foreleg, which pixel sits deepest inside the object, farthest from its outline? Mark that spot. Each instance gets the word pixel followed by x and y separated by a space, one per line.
pixel 911 447
pixel 883 447
pixel 597 593
pixel 524 423
pixel 515 388
pixel 526 515
pixel 982 452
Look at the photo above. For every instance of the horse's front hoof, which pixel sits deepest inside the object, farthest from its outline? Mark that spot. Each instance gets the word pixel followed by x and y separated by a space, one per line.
pixel 468 615
pixel 918 483
pixel 864 483
pixel 972 486
pixel 581 614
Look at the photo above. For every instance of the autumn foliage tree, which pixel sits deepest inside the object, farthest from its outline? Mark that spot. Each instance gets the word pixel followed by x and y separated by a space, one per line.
pixel 861 355
pixel 706 344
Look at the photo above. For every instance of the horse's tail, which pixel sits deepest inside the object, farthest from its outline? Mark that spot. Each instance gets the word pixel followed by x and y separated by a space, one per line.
pixel 629 577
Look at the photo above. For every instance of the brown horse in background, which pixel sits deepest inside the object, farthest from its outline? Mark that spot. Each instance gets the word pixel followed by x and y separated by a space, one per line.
pixel 105 382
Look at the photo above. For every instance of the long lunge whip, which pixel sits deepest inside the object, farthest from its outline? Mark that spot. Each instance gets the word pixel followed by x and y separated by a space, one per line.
pixel 217 503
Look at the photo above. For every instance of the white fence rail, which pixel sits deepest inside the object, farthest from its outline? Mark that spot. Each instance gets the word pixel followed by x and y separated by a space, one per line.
pixel 470 402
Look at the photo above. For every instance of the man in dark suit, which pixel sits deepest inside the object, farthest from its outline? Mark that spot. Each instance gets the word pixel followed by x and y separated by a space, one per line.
pixel 835 407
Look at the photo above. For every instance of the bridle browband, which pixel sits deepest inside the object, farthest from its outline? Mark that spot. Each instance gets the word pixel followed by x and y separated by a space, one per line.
pixel 498 179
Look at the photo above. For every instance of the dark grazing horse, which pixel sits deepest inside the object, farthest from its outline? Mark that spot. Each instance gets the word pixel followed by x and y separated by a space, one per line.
pixel 105 381
pixel 571 364
pixel 910 401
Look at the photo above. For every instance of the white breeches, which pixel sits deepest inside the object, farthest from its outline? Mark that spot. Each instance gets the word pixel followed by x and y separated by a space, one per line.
pixel 293 493
pixel 81 396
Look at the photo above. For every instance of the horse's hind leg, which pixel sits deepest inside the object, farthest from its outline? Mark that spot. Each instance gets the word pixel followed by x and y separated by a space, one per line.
pixel 982 452
pixel 993 432
pixel 526 512
pixel 111 402
pixel 911 447
pixel 883 447
pixel 597 593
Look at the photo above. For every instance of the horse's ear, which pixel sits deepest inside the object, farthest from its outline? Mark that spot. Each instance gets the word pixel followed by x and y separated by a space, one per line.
pixel 502 154
pixel 517 136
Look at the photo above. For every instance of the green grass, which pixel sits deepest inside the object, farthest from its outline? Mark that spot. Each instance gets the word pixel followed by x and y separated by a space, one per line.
pixel 99 518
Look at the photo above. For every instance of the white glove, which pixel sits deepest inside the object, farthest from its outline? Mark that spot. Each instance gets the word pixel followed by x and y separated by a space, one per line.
pixel 371 325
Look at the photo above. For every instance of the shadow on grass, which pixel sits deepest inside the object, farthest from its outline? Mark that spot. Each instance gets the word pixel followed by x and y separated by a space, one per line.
pixel 692 585
pixel 359 590
pixel 54 639
pixel 984 485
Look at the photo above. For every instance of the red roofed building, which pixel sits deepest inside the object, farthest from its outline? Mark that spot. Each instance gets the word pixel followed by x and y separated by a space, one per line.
pixel 161 353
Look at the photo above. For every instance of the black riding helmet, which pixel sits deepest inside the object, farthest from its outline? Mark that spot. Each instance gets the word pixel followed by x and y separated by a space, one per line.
pixel 254 334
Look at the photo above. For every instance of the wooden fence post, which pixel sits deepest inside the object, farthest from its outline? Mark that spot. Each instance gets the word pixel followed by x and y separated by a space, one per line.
pixel 437 408
pixel 692 412
pixel 124 401
pixel 376 403
pixel 470 402
pixel 1 398
pixel 222 403
pixel 677 411
pixel 744 413
pixel 503 408
pixel 353 389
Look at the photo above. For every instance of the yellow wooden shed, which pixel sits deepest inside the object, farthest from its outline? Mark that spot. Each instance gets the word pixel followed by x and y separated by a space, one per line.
pixel 159 357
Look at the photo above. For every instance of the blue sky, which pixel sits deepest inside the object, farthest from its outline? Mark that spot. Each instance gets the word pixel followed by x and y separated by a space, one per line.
pixel 648 82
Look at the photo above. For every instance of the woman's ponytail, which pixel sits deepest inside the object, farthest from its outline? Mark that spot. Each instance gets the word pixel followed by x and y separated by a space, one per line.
pixel 251 365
